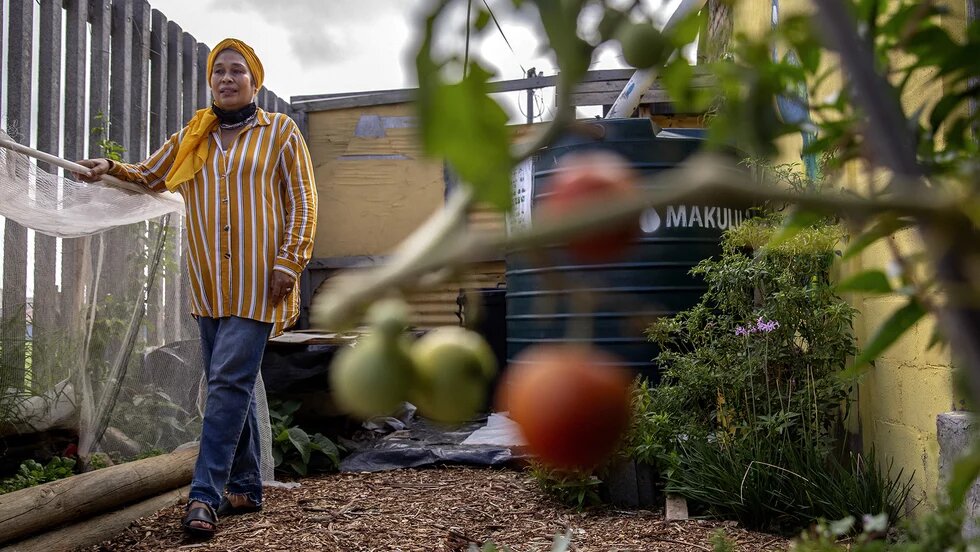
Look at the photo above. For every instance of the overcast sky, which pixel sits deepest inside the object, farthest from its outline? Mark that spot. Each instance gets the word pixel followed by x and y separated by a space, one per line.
pixel 328 46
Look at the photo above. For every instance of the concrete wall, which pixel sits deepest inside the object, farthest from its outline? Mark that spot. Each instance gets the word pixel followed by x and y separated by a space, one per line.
pixel 899 399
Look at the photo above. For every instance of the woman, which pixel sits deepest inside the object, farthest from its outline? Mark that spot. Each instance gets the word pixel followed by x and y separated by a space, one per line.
pixel 247 183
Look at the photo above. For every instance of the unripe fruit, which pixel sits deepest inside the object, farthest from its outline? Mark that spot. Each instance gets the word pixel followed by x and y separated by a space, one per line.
pixel 373 377
pixel 388 316
pixel 643 45
pixel 571 402
pixel 454 367
pixel 583 181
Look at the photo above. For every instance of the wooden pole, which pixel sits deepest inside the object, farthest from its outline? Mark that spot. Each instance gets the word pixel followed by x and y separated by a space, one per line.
pixel 99 528
pixel 34 510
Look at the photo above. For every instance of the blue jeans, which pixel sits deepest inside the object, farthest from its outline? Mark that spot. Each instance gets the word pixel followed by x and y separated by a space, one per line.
pixel 232 348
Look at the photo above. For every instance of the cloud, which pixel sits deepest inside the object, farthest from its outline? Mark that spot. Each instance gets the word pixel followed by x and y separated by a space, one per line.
pixel 323 32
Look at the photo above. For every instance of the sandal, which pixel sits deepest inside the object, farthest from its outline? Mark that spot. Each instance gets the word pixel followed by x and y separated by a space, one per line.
pixel 201 513
pixel 226 508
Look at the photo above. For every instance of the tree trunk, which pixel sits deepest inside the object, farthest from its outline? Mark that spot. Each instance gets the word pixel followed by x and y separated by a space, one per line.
pixel 34 510
pixel 99 528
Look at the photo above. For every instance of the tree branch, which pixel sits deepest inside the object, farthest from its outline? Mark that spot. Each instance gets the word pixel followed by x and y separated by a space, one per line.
pixel 704 176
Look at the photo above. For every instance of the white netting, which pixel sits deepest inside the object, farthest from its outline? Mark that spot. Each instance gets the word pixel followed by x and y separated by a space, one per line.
pixel 109 352
pixel 64 208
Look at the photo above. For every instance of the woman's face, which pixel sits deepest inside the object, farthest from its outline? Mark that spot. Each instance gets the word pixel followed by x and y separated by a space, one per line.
pixel 231 81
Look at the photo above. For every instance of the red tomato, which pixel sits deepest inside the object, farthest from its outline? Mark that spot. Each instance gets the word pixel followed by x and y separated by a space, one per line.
pixel 571 404
pixel 583 181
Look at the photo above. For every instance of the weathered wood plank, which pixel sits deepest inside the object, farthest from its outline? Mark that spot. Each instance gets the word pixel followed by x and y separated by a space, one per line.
pixel 30 511
pixel 190 73
pixel 75 131
pixel 159 56
pixel 121 87
pixel 190 105
pixel 140 74
pixel 122 90
pixel 45 320
pixel 14 302
pixel 203 78
pixel 101 14
pixel 175 73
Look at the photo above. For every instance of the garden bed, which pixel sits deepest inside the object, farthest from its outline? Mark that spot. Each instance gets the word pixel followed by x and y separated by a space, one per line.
pixel 433 509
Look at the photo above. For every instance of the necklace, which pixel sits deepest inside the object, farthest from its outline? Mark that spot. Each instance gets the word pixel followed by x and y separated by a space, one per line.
pixel 233 126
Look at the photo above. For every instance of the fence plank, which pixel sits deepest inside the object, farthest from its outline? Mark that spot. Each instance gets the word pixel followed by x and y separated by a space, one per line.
pixel 14 302
pixel 189 99
pixel 75 130
pixel 45 304
pixel 203 78
pixel 139 80
pixel 189 102
pixel 159 57
pixel 121 91
pixel 175 71
pixel 174 299
pixel 99 74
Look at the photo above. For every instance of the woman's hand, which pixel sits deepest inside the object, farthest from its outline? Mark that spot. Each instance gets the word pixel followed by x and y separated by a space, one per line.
pixel 97 168
pixel 280 286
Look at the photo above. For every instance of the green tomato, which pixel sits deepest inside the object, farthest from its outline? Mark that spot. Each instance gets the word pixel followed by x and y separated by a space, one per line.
pixel 388 316
pixel 454 367
pixel 372 378
pixel 643 45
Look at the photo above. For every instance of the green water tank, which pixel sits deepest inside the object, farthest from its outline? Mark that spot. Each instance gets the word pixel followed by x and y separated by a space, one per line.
pixel 551 298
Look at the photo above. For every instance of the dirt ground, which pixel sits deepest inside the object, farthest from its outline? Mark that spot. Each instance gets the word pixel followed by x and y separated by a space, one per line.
pixel 435 509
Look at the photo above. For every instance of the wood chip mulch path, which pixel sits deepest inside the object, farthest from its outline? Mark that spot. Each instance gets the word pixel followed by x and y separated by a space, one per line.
pixel 436 509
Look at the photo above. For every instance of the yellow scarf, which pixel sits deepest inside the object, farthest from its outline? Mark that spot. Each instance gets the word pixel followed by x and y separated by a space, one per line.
pixel 192 151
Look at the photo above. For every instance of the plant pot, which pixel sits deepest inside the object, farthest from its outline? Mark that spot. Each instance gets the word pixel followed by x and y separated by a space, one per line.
pixel 631 484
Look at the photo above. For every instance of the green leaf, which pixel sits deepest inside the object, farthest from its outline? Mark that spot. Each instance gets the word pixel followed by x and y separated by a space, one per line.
pixel 482 19
pixel 869 281
pixel 301 441
pixel 889 332
pixel 965 472
pixel 298 466
pixel 686 30
pixel 467 128
pixel 793 225
pixel 884 227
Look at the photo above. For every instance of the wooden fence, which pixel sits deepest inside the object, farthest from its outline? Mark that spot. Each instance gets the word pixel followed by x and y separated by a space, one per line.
pixel 114 63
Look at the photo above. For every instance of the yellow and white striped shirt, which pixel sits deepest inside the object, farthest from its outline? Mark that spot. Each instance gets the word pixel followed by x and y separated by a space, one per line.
pixel 249 211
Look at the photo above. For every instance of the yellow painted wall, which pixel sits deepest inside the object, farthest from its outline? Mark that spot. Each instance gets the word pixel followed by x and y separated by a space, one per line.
pixel 374 185
pixel 899 399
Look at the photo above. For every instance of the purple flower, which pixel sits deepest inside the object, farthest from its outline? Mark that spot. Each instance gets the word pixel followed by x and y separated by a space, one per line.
pixel 741 331
pixel 766 327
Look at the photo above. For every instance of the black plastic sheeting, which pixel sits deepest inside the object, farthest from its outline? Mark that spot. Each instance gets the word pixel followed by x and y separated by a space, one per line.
pixel 408 441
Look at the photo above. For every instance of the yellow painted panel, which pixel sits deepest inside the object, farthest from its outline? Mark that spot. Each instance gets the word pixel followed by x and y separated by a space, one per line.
pixel 911 450
pixel 926 393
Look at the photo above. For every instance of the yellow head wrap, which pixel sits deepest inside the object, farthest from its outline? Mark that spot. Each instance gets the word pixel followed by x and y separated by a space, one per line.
pixel 193 148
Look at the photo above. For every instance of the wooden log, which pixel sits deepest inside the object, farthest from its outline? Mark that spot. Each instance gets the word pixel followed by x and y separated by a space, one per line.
pixel 32 511
pixel 100 528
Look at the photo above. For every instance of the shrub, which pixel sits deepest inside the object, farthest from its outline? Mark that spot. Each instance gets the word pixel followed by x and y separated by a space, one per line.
pixel 578 489
pixel 751 398
pixel 32 473
pixel 294 449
